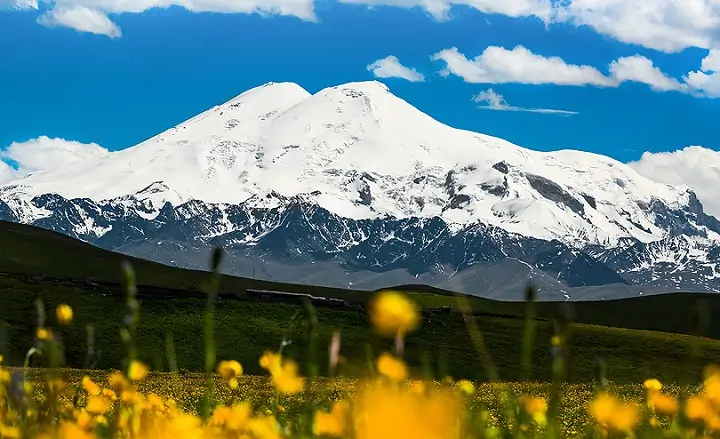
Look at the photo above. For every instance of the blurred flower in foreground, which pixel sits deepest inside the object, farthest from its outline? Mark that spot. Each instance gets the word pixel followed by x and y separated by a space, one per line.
pixel 613 415
pixel 284 373
pixel 44 334
pixel 652 385
pixel 230 371
pixel 137 370
pixel 393 314
pixel 392 367
pixel 466 387
pixel 64 314
pixel 388 412
pixel 333 423
pixel 537 408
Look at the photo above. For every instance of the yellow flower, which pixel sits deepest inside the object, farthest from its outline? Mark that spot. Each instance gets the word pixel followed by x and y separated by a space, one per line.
pixel 393 314
pixel 44 334
pixel 97 405
pixel 713 422
pixel 610 414
pixel 239 416
pixel 83 419
pixel 90 387
pixel 419 387
pixel 466 387
pixel 333 423
pixel 662 404
pixel 109 394
pixel 137 370
pixel 652 385
pixel 64 314
pixel 118 381
pixel 286 378
pixel 154 401
pixel 70 430
pixel 265 427
pixel 388 412
pixel 391 367
pixel 234 418
pixel 537 408
pixel 9 432
pixel 697 409
pixel 132 397
pixel 230 371
pixel 284 373
pixel 270 360
pixel 711 390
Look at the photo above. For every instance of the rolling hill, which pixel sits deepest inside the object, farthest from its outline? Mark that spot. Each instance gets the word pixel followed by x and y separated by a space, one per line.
pixel 38 263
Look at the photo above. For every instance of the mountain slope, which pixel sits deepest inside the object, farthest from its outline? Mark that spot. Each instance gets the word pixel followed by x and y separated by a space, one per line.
pixel 358 178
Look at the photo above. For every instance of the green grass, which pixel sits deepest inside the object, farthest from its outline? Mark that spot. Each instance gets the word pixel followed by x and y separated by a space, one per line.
pixel 59 269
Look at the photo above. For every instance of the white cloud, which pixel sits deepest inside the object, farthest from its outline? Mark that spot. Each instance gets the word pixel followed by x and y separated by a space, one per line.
pixel 640 69
pixel 665 25
pixel 19 4
pixel 44 153
pixel 707 79
pixel 7 173
pixel 694 166
pixel 497 65
pixel 712 61
pixel 390 67
pixel 440 9
pixel 706 83
pixel 93 15
pixel 81 19
pixel 495 101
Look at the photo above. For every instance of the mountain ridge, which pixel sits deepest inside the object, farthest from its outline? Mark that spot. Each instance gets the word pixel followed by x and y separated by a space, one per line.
pixel 355 176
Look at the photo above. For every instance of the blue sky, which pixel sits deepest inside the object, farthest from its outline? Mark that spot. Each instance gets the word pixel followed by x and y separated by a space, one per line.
pixel 115 73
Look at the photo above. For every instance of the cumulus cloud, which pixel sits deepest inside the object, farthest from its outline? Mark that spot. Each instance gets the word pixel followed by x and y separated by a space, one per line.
pixel 440 9
pixel 81 19
pixel 497 65
pixel 712 61
pixel 19 4
pixel 640 69
pixel 665 25
pixel 390 67
pixel 694 166
pixel 707 79
pixel 496 101
pixel 44 153
pixel 94 15
pixel 7 173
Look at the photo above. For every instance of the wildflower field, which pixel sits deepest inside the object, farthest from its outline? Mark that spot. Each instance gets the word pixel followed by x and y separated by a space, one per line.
pixel 289 398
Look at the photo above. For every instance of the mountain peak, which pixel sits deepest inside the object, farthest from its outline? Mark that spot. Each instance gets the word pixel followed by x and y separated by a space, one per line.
pixel 364 86
pixel 284 91
pixel 366 153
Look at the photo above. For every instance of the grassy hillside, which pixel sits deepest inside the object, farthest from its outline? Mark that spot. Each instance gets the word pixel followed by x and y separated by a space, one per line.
pixel 244 328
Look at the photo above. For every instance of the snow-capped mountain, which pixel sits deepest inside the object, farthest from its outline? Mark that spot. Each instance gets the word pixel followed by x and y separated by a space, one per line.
pixel 354 186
